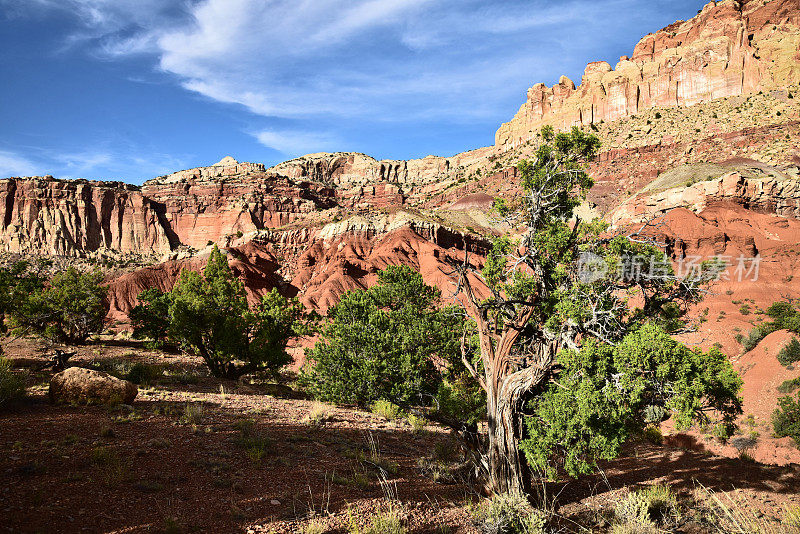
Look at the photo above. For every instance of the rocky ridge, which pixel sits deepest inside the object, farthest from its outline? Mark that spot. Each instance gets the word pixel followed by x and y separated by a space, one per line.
pixel 730 48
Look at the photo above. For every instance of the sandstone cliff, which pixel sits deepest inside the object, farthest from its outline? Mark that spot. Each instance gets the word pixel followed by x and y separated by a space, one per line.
pixel 46 216
pixel 730 48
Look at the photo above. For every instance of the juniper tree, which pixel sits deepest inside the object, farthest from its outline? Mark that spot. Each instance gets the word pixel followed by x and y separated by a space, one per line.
pixel 569 357
pixel 209 316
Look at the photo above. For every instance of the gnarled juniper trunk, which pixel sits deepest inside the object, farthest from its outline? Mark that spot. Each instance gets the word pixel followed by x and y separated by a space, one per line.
pixel 506 393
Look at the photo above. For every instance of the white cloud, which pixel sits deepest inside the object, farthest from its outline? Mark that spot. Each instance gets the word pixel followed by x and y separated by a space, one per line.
pixel 297 143
pixel 12 164
pixel 320 63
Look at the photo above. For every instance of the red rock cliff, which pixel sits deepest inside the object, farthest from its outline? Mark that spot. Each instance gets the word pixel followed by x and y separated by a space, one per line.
pixel 730 48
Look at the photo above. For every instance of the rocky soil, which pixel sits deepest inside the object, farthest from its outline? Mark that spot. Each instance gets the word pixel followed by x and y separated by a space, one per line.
pixel 196 454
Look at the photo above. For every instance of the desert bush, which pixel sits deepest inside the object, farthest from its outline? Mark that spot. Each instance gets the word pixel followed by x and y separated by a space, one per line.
pixel 68 310
pixel 315 526
pixel 381 343
pixel 789 386
pixel 255 444
pixel 722 431
pixel 786 418
pixel 509 513
pixel 386 409
pixel 791 516
pixel 319 414
pixel 192 414
pixel 790 353
pixel 743 443
pixel 382 522
pixel 653 435
pixel 755 336
pixel 417 422
pixel 144 373
pixel 12 386
pixel 646 510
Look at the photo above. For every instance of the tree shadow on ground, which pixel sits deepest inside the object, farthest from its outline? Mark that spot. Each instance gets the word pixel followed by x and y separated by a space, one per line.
pixel 682 468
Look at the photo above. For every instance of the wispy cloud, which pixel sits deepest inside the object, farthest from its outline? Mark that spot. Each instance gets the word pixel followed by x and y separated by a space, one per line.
pixel 310 71
pixel 12 164
pixel 298 59
pixel 296 143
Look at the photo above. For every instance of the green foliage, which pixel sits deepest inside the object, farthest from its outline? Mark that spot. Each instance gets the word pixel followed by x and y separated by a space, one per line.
pixel 143 373
pixel 784 316
pixel 387 410
pixel 207 314
pixel 789 386
pixel 604 391
pixel 150 318
pixel 383 522
pixel 646 509
pixel 68 310
pixel 510 513
pixel 790 353
pixel 17 283
pixel 756 335
pixel 12 386
pixel 786 418
pixel 381 343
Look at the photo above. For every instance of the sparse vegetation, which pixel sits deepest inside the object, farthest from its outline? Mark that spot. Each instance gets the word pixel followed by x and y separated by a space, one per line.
pixel 790 353
pixel 207 314
pixel 786 418
pixel 12 386
pixel 509 513
pixel 387 410
pixel 68 310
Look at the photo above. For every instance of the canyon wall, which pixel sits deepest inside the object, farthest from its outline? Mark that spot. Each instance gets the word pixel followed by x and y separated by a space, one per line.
pixel 730 48
pixel 42 215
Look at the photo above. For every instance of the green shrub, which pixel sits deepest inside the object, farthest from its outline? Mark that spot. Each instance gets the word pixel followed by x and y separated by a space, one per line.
pixel 646 509
pixel 756 335
pixel 209 317
pixel 510 513
pixel 381 343
pixel 723 430
pixel 790 353
pixel 71 308
pixel 417 423
pixel 387 410
pixel 255 444
pixel 789 386
pixel 143 373
pixel 192 414
pixel 385 522
pixel 12 386
pixel 319 414
pixel 791 516
pixel 786 418
pixel 653 435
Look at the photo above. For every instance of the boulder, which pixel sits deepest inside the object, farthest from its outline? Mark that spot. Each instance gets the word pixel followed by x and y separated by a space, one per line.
pixel 87 386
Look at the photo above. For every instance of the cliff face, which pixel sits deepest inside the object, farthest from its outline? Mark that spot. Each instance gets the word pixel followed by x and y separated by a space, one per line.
pixel 730 48
pixel 208 203
pixel 69 218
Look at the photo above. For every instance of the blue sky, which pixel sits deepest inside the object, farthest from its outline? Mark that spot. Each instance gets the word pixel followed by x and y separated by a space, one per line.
pixel 131 89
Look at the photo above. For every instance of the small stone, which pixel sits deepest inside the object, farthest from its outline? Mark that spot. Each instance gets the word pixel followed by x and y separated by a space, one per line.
pixel 275 502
